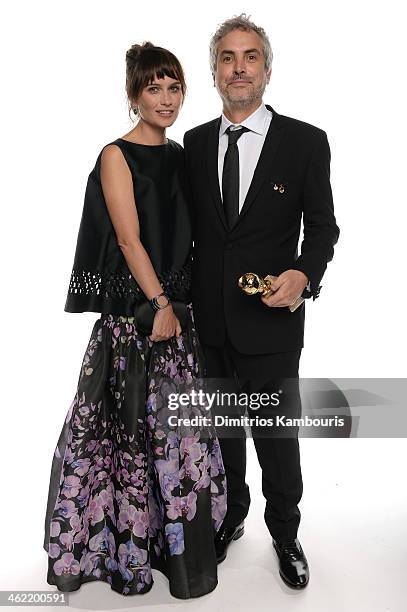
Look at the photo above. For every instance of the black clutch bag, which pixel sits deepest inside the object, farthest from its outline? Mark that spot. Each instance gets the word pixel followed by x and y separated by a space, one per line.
pixel 144 316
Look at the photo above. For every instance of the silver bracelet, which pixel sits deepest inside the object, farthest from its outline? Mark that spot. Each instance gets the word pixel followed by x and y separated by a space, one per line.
pixel 154 302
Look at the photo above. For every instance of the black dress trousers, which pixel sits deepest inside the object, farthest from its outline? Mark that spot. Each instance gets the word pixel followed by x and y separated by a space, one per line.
pixel 279 457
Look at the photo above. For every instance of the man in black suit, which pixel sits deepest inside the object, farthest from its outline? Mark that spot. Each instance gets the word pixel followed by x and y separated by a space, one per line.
pixel 254 174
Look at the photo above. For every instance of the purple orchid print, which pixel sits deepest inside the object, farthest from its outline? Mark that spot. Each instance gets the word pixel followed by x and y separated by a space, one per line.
pixel 66 565
pixel 175 537
pixel 128 491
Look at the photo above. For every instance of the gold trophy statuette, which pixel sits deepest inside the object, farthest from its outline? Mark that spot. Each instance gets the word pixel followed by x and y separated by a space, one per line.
pixel 252 283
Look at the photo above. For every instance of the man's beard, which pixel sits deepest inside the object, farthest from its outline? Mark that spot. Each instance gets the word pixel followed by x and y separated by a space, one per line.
pixel 245 101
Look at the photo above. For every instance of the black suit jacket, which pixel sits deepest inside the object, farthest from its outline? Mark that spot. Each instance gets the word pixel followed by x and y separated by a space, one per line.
pixel 265 237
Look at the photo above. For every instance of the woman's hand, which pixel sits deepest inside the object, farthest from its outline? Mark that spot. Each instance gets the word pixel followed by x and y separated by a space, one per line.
pixel 165 325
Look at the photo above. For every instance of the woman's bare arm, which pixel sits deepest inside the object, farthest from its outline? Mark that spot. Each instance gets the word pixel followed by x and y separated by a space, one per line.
pixel 117 186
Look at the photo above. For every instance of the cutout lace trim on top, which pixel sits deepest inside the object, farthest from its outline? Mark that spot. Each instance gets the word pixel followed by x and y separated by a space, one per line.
pixel 86 282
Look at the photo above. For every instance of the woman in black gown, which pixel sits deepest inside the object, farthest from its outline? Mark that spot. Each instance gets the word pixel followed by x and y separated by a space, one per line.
pixel 130 490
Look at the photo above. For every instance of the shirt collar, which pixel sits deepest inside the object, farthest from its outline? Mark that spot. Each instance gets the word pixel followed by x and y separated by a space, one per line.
pixel 256 122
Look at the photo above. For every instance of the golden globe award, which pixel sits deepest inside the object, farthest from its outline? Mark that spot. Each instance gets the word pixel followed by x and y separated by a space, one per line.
pixel 252 283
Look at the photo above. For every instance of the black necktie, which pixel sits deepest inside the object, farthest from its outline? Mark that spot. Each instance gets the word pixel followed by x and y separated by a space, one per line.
pixel 230 176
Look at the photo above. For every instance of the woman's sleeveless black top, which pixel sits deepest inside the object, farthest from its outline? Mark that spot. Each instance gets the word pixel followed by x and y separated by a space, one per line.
pixel 101 280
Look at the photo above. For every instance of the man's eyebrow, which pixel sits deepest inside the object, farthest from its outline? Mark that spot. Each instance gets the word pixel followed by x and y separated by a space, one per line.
pixel 229 52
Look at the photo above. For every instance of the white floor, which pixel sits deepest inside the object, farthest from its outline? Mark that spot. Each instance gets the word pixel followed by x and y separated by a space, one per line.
pixel 353 531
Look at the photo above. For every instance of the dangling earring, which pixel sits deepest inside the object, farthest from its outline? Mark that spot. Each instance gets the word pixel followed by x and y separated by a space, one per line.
pixel 135 109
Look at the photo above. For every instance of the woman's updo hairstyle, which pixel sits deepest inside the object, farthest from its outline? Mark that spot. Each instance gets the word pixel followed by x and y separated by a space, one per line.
pixel 146 62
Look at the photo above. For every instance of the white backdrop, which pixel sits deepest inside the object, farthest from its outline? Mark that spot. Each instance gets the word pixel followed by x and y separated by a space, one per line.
pixel 337 65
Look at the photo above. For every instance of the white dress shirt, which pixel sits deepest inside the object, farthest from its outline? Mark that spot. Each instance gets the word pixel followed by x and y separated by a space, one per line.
pixel 249 144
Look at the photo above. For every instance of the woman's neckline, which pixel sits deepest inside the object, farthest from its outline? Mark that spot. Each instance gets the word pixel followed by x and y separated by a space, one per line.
pixel 139 144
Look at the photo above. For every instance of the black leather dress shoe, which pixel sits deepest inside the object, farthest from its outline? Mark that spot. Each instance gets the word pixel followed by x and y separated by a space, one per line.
pixel 224 537
pixel 294 569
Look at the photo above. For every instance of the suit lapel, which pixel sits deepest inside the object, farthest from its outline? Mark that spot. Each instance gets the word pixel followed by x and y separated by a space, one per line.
pixel 212 159
pixel 262 172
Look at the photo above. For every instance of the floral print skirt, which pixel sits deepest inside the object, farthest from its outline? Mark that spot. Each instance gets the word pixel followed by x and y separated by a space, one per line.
pixel 130 489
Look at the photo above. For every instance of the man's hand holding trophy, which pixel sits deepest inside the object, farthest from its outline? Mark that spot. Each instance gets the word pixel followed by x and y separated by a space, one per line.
pixel 283 290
